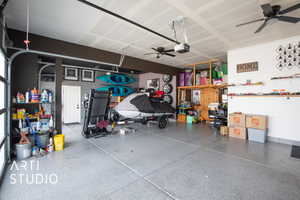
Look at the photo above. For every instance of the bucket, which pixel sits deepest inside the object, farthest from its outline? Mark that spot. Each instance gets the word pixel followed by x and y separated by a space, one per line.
pixel 31 139
pixel 42 140
pixel 59 141
pixel 23 151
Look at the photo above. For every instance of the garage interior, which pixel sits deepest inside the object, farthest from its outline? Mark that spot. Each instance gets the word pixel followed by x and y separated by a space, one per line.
pixel 160 99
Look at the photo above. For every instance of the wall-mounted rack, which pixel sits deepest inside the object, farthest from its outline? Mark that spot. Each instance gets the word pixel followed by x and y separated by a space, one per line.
pixel 286 77
pixel 246 84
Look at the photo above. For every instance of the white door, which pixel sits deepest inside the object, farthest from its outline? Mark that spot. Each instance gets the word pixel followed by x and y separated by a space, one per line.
pixel 71 97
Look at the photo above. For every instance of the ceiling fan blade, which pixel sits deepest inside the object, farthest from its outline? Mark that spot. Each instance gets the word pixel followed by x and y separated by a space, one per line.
pixel 146 54
pixel 290 9
pixel 261 26
pixel 257 20
pixel 288 19
pixel 155 49
pixel 168 54
pixel 169 50
pixel 267 9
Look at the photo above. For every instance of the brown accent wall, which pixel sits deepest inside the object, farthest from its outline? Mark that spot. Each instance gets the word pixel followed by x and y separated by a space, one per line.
pixel 45 44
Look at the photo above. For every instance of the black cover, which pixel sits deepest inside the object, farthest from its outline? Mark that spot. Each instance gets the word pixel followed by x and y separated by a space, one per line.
pixel 97 108
pixel 144 104
pixel 295 153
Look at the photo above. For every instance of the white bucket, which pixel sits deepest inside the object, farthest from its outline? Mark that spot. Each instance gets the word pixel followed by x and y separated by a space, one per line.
pixel 23 151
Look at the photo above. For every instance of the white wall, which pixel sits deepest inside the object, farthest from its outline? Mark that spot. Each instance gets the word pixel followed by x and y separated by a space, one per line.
pixel 146 76
pixel 283 113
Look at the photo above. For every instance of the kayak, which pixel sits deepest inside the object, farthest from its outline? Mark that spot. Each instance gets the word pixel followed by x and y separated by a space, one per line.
pixel 116 79
pixel 117 90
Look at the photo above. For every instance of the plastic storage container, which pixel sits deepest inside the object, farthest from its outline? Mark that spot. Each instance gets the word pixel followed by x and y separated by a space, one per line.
pixel 257 135
pixel 188 78
pixel 189 119
pixel 181 79
pixel 42 139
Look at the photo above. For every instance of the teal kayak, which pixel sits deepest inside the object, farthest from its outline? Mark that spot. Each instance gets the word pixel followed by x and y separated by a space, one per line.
pixel 117 90
pixel 116 79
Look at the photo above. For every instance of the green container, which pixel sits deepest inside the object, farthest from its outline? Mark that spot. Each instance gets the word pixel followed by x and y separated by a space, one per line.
pixel 189 119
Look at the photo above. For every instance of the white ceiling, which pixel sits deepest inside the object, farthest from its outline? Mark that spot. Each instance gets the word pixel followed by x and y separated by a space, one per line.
pixel 210 24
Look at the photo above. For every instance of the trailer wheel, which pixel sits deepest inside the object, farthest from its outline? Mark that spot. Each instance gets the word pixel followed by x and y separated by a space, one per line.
pixel 167 88
pixel 167 78
pixel 168 99
pixel 114 116
pixel 144 121
pixel 162 122
pixel 109 129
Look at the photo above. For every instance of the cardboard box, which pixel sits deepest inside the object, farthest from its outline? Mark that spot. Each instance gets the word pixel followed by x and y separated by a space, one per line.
pixel 238 132
pixel 224 130
pixel 257 122
pixel 237 120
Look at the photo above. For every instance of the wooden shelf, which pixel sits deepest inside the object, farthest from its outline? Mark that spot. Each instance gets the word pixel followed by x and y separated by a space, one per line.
pixel 32 103
pixel 202 86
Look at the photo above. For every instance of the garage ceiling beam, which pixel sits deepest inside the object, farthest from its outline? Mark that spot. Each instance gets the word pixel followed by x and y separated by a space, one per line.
pixel 45 44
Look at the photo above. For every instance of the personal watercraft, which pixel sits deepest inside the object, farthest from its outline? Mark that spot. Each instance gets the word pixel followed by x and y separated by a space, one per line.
pixel 142 108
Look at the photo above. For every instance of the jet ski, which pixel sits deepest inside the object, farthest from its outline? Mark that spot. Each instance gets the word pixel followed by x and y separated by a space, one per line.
pixel 141 107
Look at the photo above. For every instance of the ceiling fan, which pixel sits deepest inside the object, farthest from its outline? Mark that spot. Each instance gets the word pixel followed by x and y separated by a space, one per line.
pixel 274 12
pixel 160 51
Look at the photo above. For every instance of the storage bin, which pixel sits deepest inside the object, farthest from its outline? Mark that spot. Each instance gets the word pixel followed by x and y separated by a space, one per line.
pixel 59 142
pixel 189 119
pixel 188 78
pixel 181 118
pixel 257 135
pixel 42 139
pixel 181 79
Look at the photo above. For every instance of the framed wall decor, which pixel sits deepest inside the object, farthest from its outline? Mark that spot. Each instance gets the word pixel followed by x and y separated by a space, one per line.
pixel 153 83
pixel 247 67
pixel 87 75
pixel 71 74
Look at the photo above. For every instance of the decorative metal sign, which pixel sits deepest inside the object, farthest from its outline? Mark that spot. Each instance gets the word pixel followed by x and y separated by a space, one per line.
pixel 247 67
pixel 288 56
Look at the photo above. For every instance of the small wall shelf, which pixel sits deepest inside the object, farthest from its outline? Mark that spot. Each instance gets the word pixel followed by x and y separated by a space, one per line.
pixel 286 77
pixel 264 96
pixel 246 84
pixel 202 86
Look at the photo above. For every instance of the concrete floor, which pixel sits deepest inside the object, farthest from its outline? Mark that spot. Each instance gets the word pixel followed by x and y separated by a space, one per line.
pixel 180 162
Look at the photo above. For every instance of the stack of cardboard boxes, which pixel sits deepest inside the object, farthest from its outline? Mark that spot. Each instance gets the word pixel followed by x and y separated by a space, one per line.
pixel 237 125
pixel 253 127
